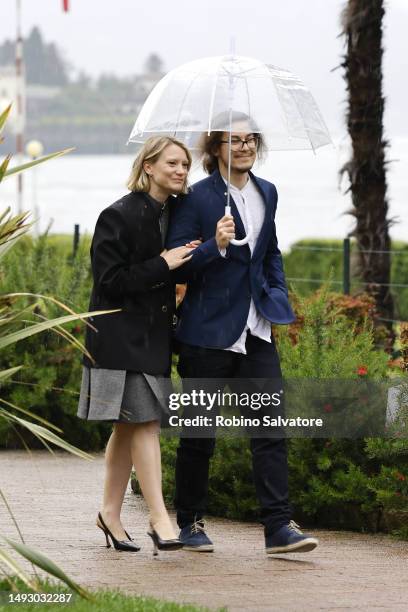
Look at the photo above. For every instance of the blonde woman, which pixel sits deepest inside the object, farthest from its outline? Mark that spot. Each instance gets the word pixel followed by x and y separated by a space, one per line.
pixel 131 272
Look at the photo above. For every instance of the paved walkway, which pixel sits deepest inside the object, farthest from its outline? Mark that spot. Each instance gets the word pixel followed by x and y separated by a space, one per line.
pixel 55 500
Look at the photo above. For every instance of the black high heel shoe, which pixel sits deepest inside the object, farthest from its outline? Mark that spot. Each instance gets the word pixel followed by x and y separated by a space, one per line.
pixel 118 544
pixel 160 544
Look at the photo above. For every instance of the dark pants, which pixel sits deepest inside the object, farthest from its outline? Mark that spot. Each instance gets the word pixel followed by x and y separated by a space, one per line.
pixel 269 455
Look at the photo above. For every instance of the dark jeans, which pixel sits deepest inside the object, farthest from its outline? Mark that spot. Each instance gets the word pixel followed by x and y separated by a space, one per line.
pixel 269 455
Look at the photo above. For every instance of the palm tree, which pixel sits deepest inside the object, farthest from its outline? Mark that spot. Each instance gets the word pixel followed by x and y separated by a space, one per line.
pixel 362 28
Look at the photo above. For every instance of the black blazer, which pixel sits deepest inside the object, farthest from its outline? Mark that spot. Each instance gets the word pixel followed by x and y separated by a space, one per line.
pixel 129 274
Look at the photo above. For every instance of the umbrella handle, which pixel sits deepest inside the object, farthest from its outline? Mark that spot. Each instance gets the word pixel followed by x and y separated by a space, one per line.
pixel 243 240
pixel 240 242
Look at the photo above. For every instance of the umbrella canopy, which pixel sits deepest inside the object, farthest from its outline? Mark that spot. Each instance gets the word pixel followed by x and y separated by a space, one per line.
pixel 194 98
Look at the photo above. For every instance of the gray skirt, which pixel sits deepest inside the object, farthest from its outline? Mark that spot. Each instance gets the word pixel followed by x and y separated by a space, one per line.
pixel 120 395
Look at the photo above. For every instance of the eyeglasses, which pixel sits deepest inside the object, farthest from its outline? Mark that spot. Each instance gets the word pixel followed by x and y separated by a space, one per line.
pixel 237 144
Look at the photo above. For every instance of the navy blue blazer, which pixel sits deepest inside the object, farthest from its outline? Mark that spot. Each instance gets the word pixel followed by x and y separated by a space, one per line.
pixel 216 305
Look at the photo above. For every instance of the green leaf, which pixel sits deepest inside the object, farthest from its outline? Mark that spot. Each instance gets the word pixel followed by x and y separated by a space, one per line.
pixel 3 117
pixel 46 434
pixel 5 213
pixel 7 373
pixel 11 229
pixel 48 566
pixel 28 413
pixel 6 245
pixel 73 341
pixel 35 162
pixel 39 327
pixel 3 167
pixel 47 298
pixel 14 316
pixel 17 569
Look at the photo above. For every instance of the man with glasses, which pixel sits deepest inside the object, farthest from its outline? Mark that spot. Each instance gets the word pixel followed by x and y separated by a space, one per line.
pixel 233 295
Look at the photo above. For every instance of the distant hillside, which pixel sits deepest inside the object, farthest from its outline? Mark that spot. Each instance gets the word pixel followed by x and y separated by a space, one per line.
pixel 93 115
pixel 44 64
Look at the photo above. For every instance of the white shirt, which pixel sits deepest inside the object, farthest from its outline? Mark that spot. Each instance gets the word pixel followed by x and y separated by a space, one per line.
pixel 251 208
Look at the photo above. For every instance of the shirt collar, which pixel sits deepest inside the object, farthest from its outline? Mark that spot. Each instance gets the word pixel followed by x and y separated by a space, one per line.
pixel 236 189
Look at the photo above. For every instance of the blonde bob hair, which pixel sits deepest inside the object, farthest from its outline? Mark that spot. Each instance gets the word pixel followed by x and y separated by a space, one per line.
pixel 150 152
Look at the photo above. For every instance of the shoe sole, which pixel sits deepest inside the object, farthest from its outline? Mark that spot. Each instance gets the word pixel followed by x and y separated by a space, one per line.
pixel 304 546
pixel 202 548
pixel 171 547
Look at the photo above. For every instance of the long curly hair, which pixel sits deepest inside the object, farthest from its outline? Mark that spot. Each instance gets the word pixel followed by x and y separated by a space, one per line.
pixel 209 144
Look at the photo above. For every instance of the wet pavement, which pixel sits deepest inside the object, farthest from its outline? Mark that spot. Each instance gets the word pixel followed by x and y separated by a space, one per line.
pixel 55 499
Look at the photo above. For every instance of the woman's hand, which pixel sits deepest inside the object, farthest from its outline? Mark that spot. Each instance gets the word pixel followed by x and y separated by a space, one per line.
pixel 194 244
pixel 176 257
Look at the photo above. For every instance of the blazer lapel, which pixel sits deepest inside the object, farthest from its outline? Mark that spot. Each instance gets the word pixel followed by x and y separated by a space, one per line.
pixel 221 189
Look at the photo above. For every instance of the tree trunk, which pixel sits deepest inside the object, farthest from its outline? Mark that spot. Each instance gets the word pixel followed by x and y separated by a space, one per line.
pixel 362 28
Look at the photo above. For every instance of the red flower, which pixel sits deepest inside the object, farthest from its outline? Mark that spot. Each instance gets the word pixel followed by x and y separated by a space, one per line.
pixel 328 408
pixel 400 476
pixel 362 370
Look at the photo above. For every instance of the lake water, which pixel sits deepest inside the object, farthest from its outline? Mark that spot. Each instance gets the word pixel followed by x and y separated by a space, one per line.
pixel 75 188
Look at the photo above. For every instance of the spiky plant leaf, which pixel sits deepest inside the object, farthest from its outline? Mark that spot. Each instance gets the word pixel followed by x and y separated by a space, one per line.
pixel 7 373
pixel 3 117
pixel 35 162
pixel 17 569
pixel 39 327
pixel 48 566
pixel 3 166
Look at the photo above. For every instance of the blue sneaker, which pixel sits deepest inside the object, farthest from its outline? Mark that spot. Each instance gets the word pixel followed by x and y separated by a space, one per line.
pixel 289 538
pixel 194 538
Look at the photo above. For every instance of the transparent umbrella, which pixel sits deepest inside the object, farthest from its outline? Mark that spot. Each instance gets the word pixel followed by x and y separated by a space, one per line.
pixel 204 95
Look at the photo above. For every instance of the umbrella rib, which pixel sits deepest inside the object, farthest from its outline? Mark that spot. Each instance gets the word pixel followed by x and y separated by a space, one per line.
pixel 184 98
pixel 304 123
pixel 249 103
pixel 298 108
pixel 285 122
pixel 212 101
pixel 316 109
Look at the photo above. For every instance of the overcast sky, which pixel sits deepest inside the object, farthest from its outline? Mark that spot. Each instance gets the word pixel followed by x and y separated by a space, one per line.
pixel 301 35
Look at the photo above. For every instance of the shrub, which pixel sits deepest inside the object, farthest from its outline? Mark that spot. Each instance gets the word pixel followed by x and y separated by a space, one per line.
pixel 49 382
pixel 311 259
pixel 332 337
pixel 333 482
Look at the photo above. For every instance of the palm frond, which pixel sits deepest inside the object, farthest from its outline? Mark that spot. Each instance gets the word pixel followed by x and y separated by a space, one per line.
pixel 46 298
pixel 45 434
pixel 30 414
pixel 35 162
pixel 39 327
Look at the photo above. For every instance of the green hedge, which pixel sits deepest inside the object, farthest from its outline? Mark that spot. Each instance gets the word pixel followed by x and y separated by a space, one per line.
pixel 302 261
pixel 343 484
pixel 49 382
pixel 358 484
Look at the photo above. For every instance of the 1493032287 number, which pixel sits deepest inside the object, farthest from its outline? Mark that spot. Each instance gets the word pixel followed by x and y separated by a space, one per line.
pixel 39 597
